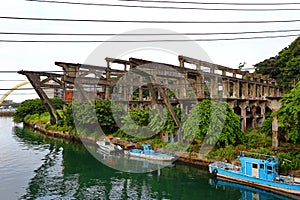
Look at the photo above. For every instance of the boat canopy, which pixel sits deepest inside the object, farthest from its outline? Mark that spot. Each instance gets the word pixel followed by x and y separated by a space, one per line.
pixel 265 169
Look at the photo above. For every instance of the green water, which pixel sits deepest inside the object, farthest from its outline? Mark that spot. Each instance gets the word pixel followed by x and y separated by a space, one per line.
pixel 35 167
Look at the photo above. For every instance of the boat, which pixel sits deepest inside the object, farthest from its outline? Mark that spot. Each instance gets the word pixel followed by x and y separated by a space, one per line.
pixel 257 172
pixel 148 153
pixel 106 146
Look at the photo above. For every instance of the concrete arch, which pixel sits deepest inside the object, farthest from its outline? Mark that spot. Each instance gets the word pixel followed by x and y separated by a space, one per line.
pixel 11 90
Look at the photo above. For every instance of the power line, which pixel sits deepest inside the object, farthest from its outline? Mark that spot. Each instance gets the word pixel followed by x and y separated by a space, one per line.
pixel 150 21
pixel 11 72
pixel 12 80
pixel 145 34
pixel 19 93
pixel 210 3
pixel 166 7
pixel 162 40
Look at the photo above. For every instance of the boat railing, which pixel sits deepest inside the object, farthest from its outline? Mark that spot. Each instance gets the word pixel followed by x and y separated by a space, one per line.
pixel 287 179
pixel 225 166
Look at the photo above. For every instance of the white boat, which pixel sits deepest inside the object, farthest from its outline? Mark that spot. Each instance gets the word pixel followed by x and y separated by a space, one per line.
pixel 107 146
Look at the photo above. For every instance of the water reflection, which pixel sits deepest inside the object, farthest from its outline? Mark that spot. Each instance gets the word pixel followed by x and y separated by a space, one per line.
pixel 247 192
pixel 69 171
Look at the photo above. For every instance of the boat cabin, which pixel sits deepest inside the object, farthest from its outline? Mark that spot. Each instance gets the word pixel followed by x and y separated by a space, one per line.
pixel 263 169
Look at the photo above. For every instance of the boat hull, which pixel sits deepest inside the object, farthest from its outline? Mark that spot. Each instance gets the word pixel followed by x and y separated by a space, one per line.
pixel 275 186
pixel 149 156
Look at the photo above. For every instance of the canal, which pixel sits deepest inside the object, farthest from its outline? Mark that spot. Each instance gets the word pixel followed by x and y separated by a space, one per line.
pixel 33 166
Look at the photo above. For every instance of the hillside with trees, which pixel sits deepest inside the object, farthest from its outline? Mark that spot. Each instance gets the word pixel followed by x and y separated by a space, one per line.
pixel 284 67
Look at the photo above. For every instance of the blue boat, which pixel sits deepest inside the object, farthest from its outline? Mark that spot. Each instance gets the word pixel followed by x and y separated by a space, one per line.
pixel 148 153
pixel 262 173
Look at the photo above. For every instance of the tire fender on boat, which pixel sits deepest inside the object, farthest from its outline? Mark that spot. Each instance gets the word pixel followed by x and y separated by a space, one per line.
pixel 215 171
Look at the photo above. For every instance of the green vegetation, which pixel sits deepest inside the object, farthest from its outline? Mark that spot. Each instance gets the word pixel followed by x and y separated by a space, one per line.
pixel 289 114
pixel 209 122
pixel 284 67
pixel 34 106
pixel 214 120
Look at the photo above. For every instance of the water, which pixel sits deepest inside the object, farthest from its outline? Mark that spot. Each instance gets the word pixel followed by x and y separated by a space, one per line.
pixel 35 167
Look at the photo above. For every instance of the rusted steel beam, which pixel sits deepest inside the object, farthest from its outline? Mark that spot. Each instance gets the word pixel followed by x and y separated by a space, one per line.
pixel 36 82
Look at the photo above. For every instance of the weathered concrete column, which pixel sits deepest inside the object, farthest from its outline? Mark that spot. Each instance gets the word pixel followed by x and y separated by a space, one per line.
pixel 182 89
pixel 263 110
pixel 254 120
pixel 181 62
pixel 236 89
pixel 253 90
pixel 266 91
pixel 213 86
pixel 277 92
pixel 274 105
pixel 225 88
pixel 199 86
pixel 275 133
pixel 272 91
pixel 243 107
pixel 125 92
pixel 259 90
pixel 244 90
pixel 140 93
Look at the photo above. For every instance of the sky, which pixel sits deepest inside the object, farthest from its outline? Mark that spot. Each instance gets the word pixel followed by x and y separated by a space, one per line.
pixel 41 56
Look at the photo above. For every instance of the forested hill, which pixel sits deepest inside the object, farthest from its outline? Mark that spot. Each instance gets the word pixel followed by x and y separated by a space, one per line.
pixel 285 67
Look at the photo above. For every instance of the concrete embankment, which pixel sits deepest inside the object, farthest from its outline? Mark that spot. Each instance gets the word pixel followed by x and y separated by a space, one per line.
pixel 6 113
pixel 59 134
pixel 191 158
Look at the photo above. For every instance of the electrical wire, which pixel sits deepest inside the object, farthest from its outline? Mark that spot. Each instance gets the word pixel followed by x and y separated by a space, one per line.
pixel 150 21
pixel 146 34
pixel 146 41
pixel 12 80
pixel 19 93
pixel 11 72
pixel 210 3
pixel 166 7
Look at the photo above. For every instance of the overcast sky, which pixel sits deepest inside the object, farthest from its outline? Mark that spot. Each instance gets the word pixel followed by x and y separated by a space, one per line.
pixel 41 56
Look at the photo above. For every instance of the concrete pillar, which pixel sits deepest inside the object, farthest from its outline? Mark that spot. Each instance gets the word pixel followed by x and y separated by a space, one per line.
pixel 266 91
pixel 277 92
pixel 252 90
pixel 225 88
pixel 275 133
pixel 272 91
pixel 213 86
pixel 263 111
pixel 243 107
pixel 274 105
pixel 259 90
pixel 254 120
pixel 244 90
pixel 236 89
pixel 181 62
pixel 199 86
pixel 140 93
pixel 125 97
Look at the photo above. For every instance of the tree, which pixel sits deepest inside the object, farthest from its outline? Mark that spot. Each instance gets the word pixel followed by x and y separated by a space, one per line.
pixel 88 116
pixel 214 121
pixel 34 106
pixel 289 113
pixel 284 67
pixel 166 123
